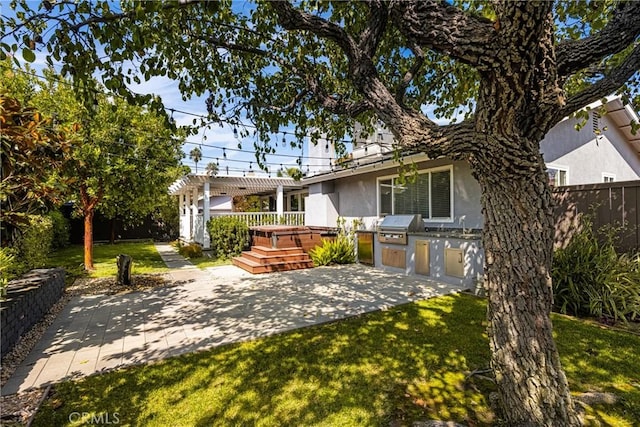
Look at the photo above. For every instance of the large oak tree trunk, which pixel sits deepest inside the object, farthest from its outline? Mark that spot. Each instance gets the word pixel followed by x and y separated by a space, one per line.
pixel 88 239
pixel 518 241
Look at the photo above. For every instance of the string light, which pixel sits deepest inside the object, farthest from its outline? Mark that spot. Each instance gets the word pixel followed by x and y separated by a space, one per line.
pixel 299 159
pixel 189 113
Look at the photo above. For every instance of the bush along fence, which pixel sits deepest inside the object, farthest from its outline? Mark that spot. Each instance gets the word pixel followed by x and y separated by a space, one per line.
pixel 27 300
pixel 590 278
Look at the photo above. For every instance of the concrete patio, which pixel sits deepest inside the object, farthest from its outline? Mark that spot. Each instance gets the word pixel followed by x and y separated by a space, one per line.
pixel 208 308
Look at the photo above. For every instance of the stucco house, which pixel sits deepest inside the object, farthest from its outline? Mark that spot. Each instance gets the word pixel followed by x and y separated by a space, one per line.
pixel 365 187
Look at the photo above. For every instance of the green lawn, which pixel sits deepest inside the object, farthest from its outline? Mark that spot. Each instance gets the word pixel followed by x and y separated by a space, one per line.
pixel 145 259
pixel 405 364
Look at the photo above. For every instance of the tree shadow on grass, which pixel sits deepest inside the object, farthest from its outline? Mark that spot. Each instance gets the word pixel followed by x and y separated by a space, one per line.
pixel 405 363
pixel 599 359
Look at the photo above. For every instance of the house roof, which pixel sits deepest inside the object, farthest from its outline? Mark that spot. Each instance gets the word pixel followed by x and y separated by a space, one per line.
pixel 220 185
pixel 623 115
pixel 360 166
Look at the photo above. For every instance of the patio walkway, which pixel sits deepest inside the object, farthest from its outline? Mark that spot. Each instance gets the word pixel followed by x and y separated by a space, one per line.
pixel 210 307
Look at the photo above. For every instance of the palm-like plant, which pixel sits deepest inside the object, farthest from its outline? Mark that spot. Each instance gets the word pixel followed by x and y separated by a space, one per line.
pixel 196 156
pixel 212 169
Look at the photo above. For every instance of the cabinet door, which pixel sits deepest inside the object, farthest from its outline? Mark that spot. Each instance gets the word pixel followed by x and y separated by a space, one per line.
pixel 422 257
pixel 454 262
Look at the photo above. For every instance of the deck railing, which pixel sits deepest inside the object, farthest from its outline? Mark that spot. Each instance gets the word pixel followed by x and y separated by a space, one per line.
pixel 254 219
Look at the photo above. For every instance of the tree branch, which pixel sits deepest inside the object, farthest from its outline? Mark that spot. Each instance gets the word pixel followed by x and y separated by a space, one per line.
pixel 376 26
pixel 334 103
pixel 218 43
pixel 412 129
pixel 621 31
pixel 605 86
pixel 292 104
pixel 410 74
pixel 292 19
pixel 446 29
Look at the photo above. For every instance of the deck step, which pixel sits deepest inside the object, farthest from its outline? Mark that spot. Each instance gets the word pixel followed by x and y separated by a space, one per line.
pixel 274 259
pixel 257 268
pixel 267 251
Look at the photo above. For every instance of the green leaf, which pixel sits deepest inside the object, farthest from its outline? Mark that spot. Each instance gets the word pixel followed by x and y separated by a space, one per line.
pixel 28 55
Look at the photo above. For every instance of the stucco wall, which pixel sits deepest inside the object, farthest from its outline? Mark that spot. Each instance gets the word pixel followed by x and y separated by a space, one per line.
pixel 221 203
pixel 321 210
pixel 586 157
pixel 357 196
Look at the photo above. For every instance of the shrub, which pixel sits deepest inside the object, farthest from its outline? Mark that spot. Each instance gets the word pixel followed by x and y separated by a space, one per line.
pixel 9 268
pixel 229 236
pixel 338 251
pixel 591 279
pixel 36 241
pixel 192 250
pixel 60 230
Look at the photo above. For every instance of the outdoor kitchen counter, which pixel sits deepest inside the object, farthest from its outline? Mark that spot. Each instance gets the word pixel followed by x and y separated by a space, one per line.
pixel 451 256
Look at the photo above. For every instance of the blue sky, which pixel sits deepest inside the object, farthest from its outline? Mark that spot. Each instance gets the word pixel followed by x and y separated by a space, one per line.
pixel 214 141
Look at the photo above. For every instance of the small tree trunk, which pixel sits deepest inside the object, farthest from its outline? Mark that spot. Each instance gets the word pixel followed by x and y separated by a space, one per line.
pixel 518 243
pixel 88 239
pixel 124 269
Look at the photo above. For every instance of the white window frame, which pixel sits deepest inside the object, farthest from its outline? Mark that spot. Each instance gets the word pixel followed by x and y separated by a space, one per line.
pixel 611 176
pixel 420 172
pixel 563 168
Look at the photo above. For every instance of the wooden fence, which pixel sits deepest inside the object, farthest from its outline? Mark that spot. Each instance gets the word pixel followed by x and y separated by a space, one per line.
pixel 614 203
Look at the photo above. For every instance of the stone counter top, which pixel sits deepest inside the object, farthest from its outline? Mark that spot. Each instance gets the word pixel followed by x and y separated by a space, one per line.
pixel 443 234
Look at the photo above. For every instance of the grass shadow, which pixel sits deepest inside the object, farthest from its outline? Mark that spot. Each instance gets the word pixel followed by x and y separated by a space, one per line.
pixel 400 365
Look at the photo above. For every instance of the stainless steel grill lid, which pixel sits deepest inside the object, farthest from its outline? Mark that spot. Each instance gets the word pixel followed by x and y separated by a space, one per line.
pixel 406 223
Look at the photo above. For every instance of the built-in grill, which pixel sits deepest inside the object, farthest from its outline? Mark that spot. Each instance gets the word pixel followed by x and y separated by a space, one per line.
pixel 394 228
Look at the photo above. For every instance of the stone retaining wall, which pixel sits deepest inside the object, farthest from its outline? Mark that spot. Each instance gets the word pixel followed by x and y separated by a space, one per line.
pixel 29 298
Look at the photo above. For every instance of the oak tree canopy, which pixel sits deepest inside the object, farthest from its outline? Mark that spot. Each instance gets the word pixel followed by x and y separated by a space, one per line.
pixel 515 69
